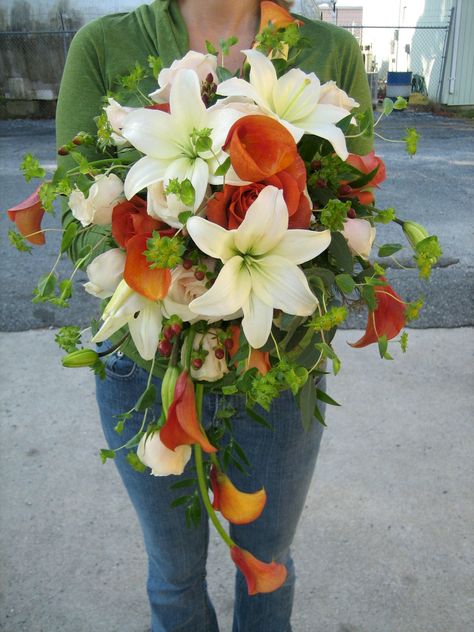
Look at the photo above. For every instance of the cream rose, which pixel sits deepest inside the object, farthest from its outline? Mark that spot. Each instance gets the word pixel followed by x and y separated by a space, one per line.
pixel 203 65
pixel 162 461
pixel 116 114
pixel 105 273
pixel 184 289
pixel 97 207
pixel 360 235
pixel 332 95
pixel 212 368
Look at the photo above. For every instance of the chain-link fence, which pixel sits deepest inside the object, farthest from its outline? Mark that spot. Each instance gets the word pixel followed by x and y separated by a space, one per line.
pixel 33 61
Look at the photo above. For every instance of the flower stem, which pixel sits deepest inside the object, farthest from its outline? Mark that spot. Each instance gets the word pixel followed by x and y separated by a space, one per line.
pixel 205 496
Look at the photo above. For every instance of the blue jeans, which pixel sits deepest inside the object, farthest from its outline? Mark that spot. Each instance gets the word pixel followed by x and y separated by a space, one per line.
pixel 282 461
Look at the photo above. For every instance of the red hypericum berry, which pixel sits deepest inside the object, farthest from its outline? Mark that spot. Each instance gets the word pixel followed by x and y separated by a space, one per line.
pixel 219 353
pixel 168 332
pixel 321 183
pixel 345 190
pixel 197 363
pixel 199 274
pixel 315 165
pixel 165 347
pixel 63 151
pixel 205 99
pixel 78 140
pixel 228 344
pixel 176 328
pixel 187 264
pixel 210 78
pixel 351 213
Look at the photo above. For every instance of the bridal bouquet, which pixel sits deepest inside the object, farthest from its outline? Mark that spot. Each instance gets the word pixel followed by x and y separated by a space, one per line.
pixel 231 234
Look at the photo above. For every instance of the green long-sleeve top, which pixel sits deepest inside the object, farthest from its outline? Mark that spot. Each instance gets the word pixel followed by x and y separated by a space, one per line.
pixel 109 47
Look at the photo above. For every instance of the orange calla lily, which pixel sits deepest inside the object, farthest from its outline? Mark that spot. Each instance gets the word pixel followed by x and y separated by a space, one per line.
pixel 153 283
pixel 182 425
pixel 236 506
pixel 260 576
pixel 27 216
pixel 259 146
pixel 387 319
pixel 277 15
pixel 258 359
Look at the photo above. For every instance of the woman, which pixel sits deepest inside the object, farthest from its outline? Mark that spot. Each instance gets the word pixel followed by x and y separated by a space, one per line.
pixel 282 460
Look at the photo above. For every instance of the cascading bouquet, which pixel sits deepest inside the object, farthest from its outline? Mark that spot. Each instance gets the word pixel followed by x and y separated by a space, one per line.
pixel 232 233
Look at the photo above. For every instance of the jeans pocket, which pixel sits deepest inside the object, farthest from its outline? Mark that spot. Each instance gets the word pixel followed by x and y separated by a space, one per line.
pixel 119 366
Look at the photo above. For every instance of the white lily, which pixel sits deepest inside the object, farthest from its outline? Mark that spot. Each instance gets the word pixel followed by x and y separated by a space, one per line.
pixel 169 140
pixel 260 269
pixel 294 99
pixel 142 315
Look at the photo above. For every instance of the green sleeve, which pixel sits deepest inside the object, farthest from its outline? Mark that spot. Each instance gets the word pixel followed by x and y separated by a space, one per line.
pixel 354 82
pixel 80 100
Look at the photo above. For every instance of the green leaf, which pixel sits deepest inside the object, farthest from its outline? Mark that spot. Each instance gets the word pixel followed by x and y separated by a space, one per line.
pixel 182 500
pixel 106 454
pixel 18 241
pixel 223 74
pixel 230 390
pixel 364 179
pixel 46 285
pixel 211 49
pixel 400 104
pixel 146 399
pixel 387 106
pixel 187 482
pixel 68 236
pixel 258 418
pixel 339 249
pixel 155 64
pixel 368 294
pixel 184 216
pixel 47 195
pixel 385 216
pixel 345 283
pixel 307 397
pixel 135 462
pixel 383 345
pixel 31 168
pixel 319 416
pixel 188 193
pixel 135 440
pixel 223 168
pixel 324 397
pixel 389 249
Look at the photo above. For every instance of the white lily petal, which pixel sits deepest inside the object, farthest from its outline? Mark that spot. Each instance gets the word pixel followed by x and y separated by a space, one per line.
pixel 332 134
pixel 263 75
pixel 295 94
pixel 240 88
pixel 151 132
pixel 211 238
pixel 110 326
pixel 145 329
pixel 143 173
pixel 299 245
pixel 186 105
pixel 323 113
pixel 286 284
pixel 257 320
pixel 265 223
pixel 230 290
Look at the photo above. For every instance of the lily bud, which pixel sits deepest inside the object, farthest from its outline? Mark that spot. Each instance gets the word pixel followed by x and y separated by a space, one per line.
pixel 167 387
pixel 80 357
pixel 414 233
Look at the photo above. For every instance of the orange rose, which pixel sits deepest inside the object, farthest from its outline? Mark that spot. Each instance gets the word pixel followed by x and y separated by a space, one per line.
pixel 366 164
pixel 130 218
pixel 229 207
pixel 259 147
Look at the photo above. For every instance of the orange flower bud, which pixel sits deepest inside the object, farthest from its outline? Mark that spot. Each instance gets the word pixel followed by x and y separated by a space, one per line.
pixel 236 506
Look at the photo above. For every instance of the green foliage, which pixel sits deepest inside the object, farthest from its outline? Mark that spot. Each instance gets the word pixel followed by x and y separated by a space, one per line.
pixel 328 352
pixel 104 131
pixel 345 283
pixel 107 454
pixel 340 253
pixel 68 338
pixel 412 310
pixel 332 318
pixel 333 214
pixel 134 461
pixel 18 241
pixel 201 140
pixel 133 79
pixel 428 251
pixel 31 168
pixel 155 64
pixel 383 346
pixel 411 140
pixel 164 252
pixel 385 217
pixel 223 168
pixel 283 375
pixel 211 49
pixel 183 189
pixel 146 399
pixel 226 44
pixel 404 341
pixel 47 195
pixel 389 249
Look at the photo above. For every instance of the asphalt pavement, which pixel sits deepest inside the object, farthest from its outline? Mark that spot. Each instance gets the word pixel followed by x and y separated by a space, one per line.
pixel 385 541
